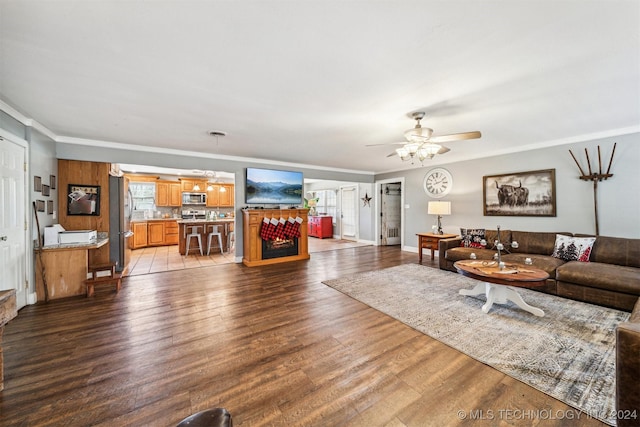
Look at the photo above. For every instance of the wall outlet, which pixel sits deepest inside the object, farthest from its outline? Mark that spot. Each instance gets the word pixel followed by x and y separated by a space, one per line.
pixel 55 214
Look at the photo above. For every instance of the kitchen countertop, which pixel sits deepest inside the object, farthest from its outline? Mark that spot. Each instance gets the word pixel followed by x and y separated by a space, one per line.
pixel 101 241
pixel 154 219
pixel 192 221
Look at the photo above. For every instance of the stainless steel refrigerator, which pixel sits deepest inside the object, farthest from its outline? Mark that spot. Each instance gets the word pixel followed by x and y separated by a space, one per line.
pixel 120 210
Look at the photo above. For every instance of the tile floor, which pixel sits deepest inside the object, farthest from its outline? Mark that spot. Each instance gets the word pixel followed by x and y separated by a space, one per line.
pixel 166 258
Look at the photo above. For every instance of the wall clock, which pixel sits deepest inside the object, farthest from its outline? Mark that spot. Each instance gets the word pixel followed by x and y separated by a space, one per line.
pixel 438 182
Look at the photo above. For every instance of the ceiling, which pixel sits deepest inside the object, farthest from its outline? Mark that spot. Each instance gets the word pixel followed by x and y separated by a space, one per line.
pixel 313 82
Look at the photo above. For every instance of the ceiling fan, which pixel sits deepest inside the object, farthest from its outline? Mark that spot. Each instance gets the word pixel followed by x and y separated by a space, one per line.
pixel 422 145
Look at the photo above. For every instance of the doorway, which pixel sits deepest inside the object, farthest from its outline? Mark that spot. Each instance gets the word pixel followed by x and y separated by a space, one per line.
pixel 13 233
pixel 390 218
pixel 390 211
pixel 349 212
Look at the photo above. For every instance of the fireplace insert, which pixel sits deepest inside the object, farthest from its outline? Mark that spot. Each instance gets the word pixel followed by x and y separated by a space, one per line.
pixel 279 248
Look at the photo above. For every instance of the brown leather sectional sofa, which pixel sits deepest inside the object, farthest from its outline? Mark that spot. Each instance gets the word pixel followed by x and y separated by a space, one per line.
pixel 611 279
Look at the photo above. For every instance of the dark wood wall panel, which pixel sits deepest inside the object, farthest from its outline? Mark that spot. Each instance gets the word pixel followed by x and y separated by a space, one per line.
pixel 87 173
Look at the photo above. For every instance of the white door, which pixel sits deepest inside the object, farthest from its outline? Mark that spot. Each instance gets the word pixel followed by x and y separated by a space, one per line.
pixel 390 195
pixel 13 236
pixel 349 206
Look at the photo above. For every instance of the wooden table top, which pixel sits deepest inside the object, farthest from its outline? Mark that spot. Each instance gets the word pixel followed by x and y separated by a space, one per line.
pixel 518 275
pixel 440 236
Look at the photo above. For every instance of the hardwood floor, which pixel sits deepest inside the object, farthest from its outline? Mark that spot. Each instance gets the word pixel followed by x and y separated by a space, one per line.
pixel 271 344
pixel 157 259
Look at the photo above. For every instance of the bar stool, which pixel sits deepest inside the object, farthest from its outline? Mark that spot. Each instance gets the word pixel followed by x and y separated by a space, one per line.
pixel 231 238
pixel 214 231
pixel 191 231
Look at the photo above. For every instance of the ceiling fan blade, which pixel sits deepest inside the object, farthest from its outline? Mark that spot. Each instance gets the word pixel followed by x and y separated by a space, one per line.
pixel 386 143
pixel 392 154
pixel 456 136
pixel 443 150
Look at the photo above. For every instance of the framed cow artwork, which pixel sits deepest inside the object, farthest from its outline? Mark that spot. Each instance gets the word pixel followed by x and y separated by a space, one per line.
pixel 530 193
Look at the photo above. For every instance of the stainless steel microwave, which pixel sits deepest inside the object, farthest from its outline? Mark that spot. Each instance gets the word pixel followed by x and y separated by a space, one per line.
pixel 194 198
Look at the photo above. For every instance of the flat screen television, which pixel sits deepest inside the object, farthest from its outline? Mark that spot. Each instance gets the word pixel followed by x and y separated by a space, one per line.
pixel 270 186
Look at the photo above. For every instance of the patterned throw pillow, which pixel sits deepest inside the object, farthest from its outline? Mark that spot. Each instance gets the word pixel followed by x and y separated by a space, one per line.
pixel 472 237
pixel 570 248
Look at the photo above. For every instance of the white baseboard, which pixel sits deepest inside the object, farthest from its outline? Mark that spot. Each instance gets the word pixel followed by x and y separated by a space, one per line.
pixel 32 298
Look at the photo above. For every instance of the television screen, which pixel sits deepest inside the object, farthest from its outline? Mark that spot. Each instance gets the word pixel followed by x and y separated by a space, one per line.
pixel 268 186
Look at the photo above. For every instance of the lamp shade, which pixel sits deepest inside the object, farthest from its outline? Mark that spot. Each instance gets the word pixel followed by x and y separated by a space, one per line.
pixel 439 208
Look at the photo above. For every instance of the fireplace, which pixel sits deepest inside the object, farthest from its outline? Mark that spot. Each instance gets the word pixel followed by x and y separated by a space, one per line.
pixel 253 245
pixel 279 248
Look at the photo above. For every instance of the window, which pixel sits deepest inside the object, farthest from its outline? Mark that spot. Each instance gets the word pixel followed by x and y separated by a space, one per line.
pixel 327 204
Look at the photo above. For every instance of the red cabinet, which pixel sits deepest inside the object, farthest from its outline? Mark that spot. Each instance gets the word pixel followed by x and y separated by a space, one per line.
pixel 320 226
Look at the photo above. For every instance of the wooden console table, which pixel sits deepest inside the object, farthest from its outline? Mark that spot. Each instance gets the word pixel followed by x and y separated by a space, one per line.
pixel 8 310
pixel 251 222
pixel 430 241
pixel 66 268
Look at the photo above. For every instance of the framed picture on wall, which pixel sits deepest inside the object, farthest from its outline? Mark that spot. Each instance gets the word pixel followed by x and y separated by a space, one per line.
pixel 50 207
pixel 40 205
pixel 83 200
pixel 45 190
pixel 52 181
pixel 37 184
pixel 530 193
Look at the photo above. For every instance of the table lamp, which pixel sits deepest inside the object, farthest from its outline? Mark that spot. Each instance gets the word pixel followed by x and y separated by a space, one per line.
pixel 439 208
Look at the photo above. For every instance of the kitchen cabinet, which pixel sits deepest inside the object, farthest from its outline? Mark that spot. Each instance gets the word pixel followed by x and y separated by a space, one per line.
pixel 171 233
pixel 158 232
pixel 320 226
pixel 168 193
pixel 175 194
pixel 221 199
pixel 139 238
pixel 188 184
pixel 155 233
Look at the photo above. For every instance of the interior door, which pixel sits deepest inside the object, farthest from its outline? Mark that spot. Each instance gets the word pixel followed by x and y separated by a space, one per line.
pixel 390 213
pixel 349 206
pixel 13 233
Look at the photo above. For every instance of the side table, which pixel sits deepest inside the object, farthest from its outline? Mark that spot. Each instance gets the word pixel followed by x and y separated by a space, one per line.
pixel 430 241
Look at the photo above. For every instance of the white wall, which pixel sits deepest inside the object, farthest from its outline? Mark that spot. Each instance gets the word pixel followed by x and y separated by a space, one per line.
pixel 618 197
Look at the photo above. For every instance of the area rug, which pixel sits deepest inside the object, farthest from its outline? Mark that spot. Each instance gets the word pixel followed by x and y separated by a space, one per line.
pixel 568 354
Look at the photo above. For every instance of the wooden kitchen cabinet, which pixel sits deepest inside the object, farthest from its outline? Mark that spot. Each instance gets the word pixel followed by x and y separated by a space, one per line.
pixel 139 238
pixel 175 194
pixel 188 184
pixel 221 199
pixel 171 233
pixel 320 226
pixel 168 193
pixel 155 233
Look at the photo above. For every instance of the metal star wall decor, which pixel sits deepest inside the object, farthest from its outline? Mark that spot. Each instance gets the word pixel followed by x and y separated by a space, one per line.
pixel 366 199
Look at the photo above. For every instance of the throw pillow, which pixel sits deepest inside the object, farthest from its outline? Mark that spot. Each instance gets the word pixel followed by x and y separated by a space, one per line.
pixel 472 237
pixel 570 248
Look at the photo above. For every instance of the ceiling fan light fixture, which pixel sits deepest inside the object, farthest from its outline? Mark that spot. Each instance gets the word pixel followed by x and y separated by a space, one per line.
pixel 403 153
pixel 412 148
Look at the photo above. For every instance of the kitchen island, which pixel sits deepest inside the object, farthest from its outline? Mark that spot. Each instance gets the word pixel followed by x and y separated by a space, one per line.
pixel 66 268
pixel 226 226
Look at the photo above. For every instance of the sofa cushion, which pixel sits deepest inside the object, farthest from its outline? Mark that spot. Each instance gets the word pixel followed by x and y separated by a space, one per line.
pixel 569 248
pixel 457 254
pixel 599 275
pixel 472 237
pixel 535 242
pixel 543 262
pixel 616 250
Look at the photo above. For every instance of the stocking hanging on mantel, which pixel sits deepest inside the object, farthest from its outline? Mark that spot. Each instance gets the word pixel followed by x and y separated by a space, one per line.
pixel 595 177
pixel 280 229
pixel 264 229
pixel 292 227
